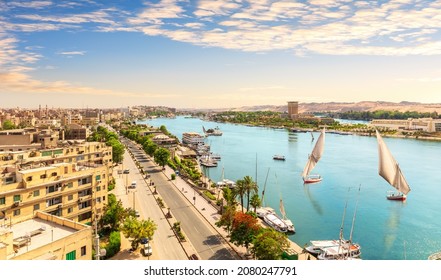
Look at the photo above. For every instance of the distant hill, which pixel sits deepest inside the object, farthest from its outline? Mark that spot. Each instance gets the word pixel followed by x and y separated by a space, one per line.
pixel 344 107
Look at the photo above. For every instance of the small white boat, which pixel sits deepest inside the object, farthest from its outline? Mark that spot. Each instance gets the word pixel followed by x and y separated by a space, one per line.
pixel 262 211
pixel 275 222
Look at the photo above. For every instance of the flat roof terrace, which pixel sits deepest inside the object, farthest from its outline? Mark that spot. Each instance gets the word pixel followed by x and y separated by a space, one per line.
pixel 36 232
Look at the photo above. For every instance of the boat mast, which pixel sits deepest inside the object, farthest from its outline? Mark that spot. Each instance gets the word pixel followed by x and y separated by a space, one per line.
pixel 264 186
pixel 353 221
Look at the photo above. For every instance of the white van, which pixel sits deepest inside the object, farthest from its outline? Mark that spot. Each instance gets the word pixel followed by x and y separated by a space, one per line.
pixel 133 185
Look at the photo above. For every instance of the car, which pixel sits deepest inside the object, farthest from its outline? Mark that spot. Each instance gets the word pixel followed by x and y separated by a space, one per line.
pixel 133 185
pixel 144 240
pixel 147 250
pixel 120 171
pixel 126 171
pixel 136 213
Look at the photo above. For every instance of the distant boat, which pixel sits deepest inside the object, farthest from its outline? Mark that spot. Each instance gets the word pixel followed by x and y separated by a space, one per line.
pixel 389 169
pixel 278 157
pixel 313 159
pixel 212 131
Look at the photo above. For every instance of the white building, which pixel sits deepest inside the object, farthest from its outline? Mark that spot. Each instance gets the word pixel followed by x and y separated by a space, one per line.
pixel 424 124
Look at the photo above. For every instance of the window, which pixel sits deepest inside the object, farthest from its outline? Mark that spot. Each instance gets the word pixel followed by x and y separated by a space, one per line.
pixel 36 192
pixel 9 180
pixel 29 178
pixel 42 176
pixel 83 251
pixel 69 210
pixel 36 207
pixel 70 197
pixel 98 177
pixel 54 174
pixel 16 212
pixel 71 255
pixel 70 185
pixel 2 200
pixel 98 188
pixel 17 197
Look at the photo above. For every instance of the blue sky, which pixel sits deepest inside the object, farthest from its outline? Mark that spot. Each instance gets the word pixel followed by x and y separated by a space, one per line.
pixel 218 53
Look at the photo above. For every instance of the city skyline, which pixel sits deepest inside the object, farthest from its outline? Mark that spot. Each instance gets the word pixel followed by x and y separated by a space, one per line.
pixel 218 54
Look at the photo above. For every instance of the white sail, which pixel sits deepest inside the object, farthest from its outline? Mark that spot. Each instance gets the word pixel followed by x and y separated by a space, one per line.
pixel 315 155
pixel 389 169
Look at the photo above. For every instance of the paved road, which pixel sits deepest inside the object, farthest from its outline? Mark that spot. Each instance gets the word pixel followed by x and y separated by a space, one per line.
pixel 207 242
pixel 164 244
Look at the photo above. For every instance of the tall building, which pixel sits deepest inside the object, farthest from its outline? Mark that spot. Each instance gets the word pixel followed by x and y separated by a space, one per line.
pixel 69 181
pixel 293 109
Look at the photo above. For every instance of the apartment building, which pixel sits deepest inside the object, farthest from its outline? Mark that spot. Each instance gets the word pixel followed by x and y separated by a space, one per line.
pixel 45 237
pixel 68 181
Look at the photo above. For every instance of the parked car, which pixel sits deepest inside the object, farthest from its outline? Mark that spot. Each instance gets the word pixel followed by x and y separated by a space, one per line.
pixel 126 171
pixel 133 185
pixel 136 213
pixel 144 240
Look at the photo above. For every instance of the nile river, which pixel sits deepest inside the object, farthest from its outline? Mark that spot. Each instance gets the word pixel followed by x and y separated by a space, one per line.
pixel 386 230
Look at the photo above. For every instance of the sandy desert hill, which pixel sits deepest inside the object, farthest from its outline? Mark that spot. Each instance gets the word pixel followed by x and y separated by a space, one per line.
pixel 344 107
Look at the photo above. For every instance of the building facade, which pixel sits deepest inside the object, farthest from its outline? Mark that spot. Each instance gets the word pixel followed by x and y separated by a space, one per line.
pixel 69 181
pixel 423 124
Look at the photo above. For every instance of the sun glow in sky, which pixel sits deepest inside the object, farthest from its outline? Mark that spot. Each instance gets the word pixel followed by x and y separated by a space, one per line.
pixel 218 53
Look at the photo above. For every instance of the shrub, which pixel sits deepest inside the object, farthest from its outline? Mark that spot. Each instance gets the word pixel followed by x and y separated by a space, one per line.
pixel 114 244
pixel 173 176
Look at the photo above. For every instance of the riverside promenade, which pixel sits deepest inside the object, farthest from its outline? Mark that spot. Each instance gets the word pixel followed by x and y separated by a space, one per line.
pixel 208 212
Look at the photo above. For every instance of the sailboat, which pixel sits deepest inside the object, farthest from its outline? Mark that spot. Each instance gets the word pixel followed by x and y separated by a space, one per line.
pixel 288 222
pixel 337 249
pixel 313 159
pixel 389 169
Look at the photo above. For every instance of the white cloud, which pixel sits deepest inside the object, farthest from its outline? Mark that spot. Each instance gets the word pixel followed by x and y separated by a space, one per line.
pixel 70 53
pixel 31 4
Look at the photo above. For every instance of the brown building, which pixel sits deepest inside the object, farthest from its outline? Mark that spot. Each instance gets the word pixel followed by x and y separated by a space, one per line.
pixel 293 109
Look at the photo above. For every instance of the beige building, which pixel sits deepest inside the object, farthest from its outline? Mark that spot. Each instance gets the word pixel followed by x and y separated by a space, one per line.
pixel 45 237
pixel 69 181
pixel 423 124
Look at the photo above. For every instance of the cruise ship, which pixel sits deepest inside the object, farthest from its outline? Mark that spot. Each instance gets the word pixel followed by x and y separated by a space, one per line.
pixel 192 138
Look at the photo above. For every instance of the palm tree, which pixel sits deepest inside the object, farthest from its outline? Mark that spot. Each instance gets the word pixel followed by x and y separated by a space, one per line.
pixel 240 190
pixel 250 186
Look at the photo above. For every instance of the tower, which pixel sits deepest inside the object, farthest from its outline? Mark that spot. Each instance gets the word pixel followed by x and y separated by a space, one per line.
pixel 293 109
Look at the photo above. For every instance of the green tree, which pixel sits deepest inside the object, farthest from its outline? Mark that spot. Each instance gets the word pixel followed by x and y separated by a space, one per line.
pixel 270 244
pixel 161 156
pixel 255 201
pixel 136 229
pixel 117 150
pixel 240 190
pixel 7 124
pixel 114 214
pixel 250 187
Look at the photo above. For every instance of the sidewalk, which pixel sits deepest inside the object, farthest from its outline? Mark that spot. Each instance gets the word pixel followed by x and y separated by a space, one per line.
pixel 209 212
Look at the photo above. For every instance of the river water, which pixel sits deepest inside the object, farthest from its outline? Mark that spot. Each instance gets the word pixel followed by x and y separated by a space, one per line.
pixel 386 230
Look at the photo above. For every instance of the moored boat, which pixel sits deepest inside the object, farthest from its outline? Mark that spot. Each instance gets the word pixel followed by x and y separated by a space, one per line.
pixel 275 222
